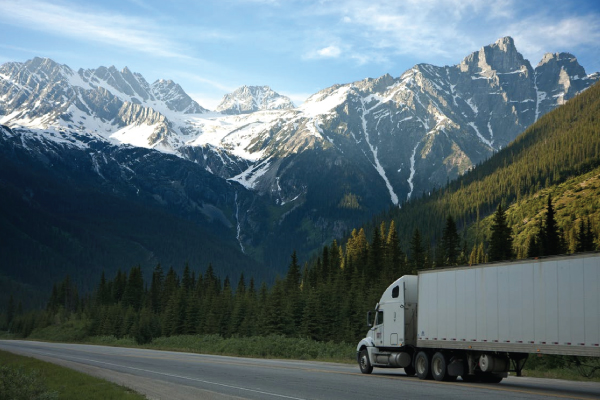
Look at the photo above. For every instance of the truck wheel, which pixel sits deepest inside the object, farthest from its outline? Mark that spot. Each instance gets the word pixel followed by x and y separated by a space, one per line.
pixel 410 370
pixel 439 369
pixel 364 363
pixel 422 365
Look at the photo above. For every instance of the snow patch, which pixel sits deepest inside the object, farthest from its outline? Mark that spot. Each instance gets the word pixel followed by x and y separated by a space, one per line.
pixel 412 172
pixel 239 227
pixel 323 103
pixel 377 164
pixel 484 140
pixel 473 106
pixel 249 177
pixel 135 135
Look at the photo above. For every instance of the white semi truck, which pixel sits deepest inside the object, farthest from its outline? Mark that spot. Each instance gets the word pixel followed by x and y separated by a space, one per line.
pixel 481 322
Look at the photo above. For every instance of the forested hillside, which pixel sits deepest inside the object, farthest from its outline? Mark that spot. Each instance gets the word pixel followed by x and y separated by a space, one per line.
pixel 547 183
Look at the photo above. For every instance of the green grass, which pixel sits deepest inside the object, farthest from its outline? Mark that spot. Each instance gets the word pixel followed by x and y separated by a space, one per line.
pixel 272 346
pixel 30 379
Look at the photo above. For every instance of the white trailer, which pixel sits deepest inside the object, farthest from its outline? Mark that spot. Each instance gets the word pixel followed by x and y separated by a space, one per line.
pixel 481 322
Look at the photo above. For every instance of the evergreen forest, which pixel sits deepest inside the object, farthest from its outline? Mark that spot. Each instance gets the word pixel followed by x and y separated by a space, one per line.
pixel 537 197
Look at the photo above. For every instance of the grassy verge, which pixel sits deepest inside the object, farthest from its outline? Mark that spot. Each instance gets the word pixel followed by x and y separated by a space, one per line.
pixel 29 379
pixel 273 346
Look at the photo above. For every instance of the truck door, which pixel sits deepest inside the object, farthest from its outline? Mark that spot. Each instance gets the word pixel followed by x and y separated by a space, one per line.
pixel 378 329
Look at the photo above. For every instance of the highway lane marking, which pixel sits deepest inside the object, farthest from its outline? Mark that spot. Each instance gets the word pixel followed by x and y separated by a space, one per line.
pixel 254 364
pixel 178 376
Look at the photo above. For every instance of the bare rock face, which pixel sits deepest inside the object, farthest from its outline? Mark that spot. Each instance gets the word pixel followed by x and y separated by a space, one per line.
pixel 559 77
pixel 248 99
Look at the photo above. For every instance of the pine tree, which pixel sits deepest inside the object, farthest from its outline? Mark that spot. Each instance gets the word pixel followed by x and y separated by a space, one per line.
pixel 501 240
pixel 590 238
pixel 119 284
pixel 156 289
pixel 417 252
pixel 375 258
pixel 450 242
pixel 292 279
pixel 134 290
pixel 551 238
pixel 186 281
pixel 103 294
pixel 394 254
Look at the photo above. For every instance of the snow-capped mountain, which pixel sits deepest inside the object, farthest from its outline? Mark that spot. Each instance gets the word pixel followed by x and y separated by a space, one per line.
pixel 248 99
pixel 347 152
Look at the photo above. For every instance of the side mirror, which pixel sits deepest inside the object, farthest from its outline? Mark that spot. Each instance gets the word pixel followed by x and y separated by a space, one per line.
pixel 369 319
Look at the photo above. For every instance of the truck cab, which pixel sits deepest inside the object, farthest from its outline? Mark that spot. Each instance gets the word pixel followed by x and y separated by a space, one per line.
pixel 393 327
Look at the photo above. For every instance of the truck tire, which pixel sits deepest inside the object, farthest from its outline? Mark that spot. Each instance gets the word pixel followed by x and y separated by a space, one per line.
pixel 439 367
pixel 410 370
pixel 422 367
pixel 364 363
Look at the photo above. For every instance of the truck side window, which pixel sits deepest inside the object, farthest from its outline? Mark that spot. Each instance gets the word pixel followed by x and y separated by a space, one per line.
pixel 379 318
pixel 395 292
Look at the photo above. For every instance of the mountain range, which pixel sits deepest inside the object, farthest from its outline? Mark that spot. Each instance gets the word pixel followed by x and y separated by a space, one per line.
pixel 258 177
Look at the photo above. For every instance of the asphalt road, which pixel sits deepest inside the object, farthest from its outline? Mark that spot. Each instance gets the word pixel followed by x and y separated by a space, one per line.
pixel 174 375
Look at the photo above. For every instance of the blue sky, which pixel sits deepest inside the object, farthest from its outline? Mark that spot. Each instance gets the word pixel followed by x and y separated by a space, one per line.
pixel 295 46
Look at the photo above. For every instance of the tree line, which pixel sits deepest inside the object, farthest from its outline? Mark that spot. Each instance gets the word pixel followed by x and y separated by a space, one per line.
pixel 325 300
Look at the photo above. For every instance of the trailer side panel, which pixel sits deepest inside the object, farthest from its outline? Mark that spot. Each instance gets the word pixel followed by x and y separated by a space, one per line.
pixel 548 306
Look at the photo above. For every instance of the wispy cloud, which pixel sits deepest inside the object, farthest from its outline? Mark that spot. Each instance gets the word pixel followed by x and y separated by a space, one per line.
pixel 374 30
pixel 536 36
pixel 92 25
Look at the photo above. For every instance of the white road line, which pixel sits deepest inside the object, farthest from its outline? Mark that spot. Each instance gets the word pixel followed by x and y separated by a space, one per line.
pixel 178 376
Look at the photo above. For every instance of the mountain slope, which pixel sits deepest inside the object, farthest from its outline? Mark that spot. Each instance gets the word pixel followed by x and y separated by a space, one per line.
pixel 71 211
pixel 562 145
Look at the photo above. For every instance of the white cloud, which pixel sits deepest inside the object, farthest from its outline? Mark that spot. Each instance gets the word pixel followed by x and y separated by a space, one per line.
pixel 329 52
pixel 375 31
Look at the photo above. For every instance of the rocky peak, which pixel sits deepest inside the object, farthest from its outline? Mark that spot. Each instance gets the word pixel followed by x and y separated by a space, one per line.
pixel 247 99
pixel 565 61
pixel 175 97
pixel 559 76
pixel 500 57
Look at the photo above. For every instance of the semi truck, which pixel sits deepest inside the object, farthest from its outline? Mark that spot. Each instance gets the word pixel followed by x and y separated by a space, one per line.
pixel 481 322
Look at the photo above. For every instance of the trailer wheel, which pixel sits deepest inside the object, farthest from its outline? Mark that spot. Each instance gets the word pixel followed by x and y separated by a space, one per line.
pixel 364 363
pixel 439 368
pixel 422 365
pixel 410 370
